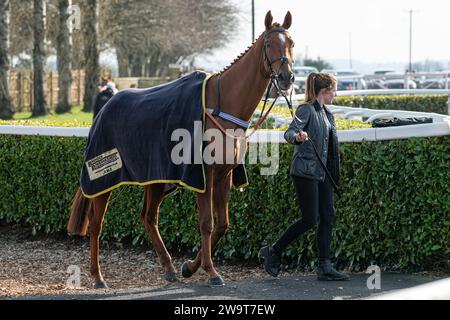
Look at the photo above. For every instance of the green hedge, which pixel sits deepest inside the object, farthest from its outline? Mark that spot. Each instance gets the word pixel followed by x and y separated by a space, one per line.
pixel 394 210
pixel 421 103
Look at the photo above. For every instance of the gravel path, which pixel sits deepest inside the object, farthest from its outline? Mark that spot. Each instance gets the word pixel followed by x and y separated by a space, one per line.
pixel 37 268
pixel 39 265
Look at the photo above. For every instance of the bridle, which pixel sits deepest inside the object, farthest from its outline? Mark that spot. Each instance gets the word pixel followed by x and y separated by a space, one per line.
pixel 282 59
pixel 273 79
pixel 273 82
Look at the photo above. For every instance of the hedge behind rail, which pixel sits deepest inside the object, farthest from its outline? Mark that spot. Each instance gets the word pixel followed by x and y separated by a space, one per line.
pixel 394 211
pixel 420 103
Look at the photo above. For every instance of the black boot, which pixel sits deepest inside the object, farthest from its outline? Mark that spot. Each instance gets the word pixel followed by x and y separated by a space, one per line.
pixel 326 272
pixel 271 260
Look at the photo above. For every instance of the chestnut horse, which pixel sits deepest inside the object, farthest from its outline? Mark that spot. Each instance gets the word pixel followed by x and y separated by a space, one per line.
pixel 238 93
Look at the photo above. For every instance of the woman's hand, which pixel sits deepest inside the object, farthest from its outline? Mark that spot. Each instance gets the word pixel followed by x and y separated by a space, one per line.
pixel 301 136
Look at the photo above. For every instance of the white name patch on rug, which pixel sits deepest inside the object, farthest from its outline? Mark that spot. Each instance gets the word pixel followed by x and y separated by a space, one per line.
pixel 103 164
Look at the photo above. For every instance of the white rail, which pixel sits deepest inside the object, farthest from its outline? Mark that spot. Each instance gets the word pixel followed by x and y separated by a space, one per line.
pixel 441 128
pixel 436 290
pixel 44 131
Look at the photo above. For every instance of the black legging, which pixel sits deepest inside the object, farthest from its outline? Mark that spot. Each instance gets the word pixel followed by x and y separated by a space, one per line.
pixel 315 199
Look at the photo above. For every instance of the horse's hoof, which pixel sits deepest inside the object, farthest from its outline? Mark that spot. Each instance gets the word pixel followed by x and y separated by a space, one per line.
pixel 170 277
pixel 216 281
pixel 185 271
pixel 100 285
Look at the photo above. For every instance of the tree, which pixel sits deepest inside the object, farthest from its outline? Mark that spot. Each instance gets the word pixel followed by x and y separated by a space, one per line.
pixel 21 29
pixel 91 54
pixel 6 111
pixel 318 63
pixel 63 51
pixel 39 104
pixel 149 34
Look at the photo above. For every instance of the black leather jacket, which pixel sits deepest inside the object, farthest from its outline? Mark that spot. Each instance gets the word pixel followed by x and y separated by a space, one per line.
pixel 305 163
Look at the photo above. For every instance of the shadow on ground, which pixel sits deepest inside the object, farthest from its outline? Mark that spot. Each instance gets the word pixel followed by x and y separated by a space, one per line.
pixel 265 288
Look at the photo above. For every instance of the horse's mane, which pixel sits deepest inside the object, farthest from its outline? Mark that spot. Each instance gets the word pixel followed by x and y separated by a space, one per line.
pixel 275 25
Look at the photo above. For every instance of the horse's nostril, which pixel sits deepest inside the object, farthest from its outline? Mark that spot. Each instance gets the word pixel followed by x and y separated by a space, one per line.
pixel 286 78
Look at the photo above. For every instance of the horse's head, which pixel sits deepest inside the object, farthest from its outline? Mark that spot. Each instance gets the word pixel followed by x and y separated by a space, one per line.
pixel 278 51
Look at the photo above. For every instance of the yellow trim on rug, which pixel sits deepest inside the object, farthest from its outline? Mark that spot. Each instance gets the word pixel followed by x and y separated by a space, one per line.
pixel 142 184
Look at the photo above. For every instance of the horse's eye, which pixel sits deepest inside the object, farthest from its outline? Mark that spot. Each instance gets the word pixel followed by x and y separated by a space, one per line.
pixel 267 45
pixel 292 45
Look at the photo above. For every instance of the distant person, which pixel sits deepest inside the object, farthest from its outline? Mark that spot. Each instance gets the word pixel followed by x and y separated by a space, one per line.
pixel 103 83
pixel 107 89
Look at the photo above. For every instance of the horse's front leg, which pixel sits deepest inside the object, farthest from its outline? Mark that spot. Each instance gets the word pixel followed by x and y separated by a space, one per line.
pixel 206 222
pixel 221 196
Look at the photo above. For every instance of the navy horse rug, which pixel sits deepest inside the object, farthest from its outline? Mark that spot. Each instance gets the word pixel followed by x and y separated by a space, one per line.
pixel 130 141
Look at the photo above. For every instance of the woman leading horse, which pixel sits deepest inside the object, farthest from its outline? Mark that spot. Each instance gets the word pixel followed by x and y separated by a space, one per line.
pixel 233 95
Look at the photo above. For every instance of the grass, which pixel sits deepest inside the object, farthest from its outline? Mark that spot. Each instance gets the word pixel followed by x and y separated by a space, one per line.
pixel 75 118
pixel 78 118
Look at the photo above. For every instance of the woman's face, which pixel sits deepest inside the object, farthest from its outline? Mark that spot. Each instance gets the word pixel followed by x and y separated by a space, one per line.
pixel 329 94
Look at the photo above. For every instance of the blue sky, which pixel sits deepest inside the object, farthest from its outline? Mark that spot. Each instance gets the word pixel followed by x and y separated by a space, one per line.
pixel 378 30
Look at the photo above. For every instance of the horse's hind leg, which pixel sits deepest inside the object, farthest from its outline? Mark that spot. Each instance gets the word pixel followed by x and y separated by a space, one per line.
pixel 96 216
pixel 153 197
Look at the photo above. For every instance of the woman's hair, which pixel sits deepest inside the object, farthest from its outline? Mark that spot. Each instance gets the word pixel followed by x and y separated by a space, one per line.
pixel 104 81
pixel 316 82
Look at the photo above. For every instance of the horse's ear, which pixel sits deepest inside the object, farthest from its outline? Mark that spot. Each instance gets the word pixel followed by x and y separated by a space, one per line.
pixel 287 20
pixel 268 21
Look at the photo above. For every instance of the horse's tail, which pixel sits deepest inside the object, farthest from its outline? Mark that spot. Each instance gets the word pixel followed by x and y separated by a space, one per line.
pixel 79 218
